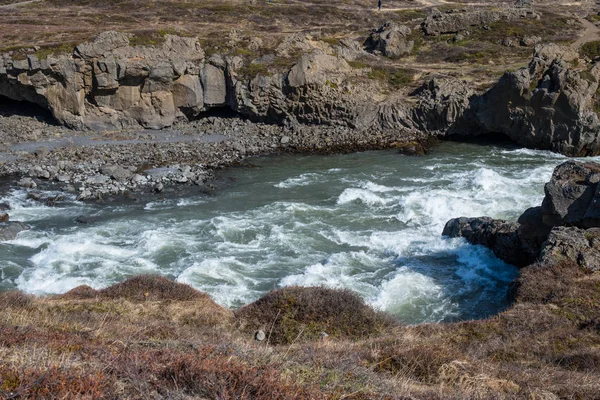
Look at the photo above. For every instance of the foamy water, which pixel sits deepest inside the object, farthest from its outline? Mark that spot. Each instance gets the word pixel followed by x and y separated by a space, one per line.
pixel 370 222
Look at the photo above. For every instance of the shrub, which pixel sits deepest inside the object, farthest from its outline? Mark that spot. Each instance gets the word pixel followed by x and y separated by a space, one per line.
pixel 80 292
pixel 14 299
pixel 53 382
pixel 396 78
pixel 295 313
pixel 227 378
pixel 151 287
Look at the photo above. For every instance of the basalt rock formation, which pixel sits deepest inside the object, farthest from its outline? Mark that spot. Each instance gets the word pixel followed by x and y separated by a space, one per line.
pixel 566 224
pixel 549 105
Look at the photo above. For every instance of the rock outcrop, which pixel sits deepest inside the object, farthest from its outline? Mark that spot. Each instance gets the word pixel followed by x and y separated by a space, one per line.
pixel 390 40
pixel 567 223
pixel 110 83
pixel 441 103
pixel 573 196
pixel 549 106
pixel 454 21
pixel 579 245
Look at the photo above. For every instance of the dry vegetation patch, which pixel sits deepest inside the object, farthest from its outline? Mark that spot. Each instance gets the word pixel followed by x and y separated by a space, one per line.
pixel 299 313
pixel 152 338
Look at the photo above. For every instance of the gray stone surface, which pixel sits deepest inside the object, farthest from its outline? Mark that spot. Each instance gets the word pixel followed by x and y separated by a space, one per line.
pixel 390 40
pixel 10 230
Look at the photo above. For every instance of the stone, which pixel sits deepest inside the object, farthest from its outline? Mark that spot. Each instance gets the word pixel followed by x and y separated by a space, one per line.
pixel 116 172
pixel 27 183
pixel 441 103
pixel 159 187
pixel 572 197
pixel 530 41
pixel 97 180
pixel 10 230
pixel 499 235
pixel 390 39
pixel 579 245
pixel 453 22
pixel 259 336
pixel 215 86
pixel 548 105
pixel 314 69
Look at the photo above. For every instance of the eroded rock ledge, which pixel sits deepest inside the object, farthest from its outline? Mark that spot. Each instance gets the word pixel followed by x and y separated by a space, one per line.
pixel 565 226
pixel 110 83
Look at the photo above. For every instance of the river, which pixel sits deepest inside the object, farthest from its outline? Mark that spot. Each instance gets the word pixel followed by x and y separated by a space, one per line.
pixel 370 222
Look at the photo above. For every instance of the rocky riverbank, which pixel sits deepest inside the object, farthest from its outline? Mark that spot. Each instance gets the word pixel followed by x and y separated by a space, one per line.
pixel 566 225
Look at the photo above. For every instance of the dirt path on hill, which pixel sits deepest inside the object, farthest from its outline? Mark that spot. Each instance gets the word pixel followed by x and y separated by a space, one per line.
pixel 591 33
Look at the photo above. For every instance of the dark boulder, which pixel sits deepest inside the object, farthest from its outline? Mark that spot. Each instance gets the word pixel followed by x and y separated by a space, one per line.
pixel 500 236
pixel 549 105
pixel 573 196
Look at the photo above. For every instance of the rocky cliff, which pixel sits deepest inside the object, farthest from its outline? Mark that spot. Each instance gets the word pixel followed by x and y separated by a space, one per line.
pixel 110 83
pixel 565 225
pixel 550 105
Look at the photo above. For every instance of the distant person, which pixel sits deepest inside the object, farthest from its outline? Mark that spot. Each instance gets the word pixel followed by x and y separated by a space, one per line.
pixel 379 5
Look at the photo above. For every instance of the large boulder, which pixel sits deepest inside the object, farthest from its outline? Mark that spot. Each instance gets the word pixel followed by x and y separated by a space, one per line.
pixel 390 40
pixel 573 196
pixel 499 235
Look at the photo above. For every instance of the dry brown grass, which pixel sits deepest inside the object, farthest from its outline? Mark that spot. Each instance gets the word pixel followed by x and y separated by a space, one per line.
pixel 151 338
pixel 298 313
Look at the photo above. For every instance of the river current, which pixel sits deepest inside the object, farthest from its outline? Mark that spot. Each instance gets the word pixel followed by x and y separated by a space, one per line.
pixel 370 222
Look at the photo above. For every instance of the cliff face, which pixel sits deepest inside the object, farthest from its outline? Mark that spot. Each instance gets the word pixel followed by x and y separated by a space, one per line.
pixel 549 105
pixel 111 84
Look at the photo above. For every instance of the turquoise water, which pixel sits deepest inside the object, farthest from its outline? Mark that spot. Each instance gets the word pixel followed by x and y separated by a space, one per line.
pixel 370 222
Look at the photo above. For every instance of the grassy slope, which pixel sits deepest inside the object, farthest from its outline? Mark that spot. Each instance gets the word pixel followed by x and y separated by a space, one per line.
pixel 149 337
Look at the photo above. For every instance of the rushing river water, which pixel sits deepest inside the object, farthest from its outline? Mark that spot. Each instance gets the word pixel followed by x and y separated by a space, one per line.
pixel 370 222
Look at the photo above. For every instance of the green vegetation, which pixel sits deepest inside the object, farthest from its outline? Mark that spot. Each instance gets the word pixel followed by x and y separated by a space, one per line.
pixel 152 38
pixel 64 48
pixel 590 49
pixel 250 70
pixel 394 77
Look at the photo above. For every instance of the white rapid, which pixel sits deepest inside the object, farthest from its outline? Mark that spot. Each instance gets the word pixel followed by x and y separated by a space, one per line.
pixel 370 222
